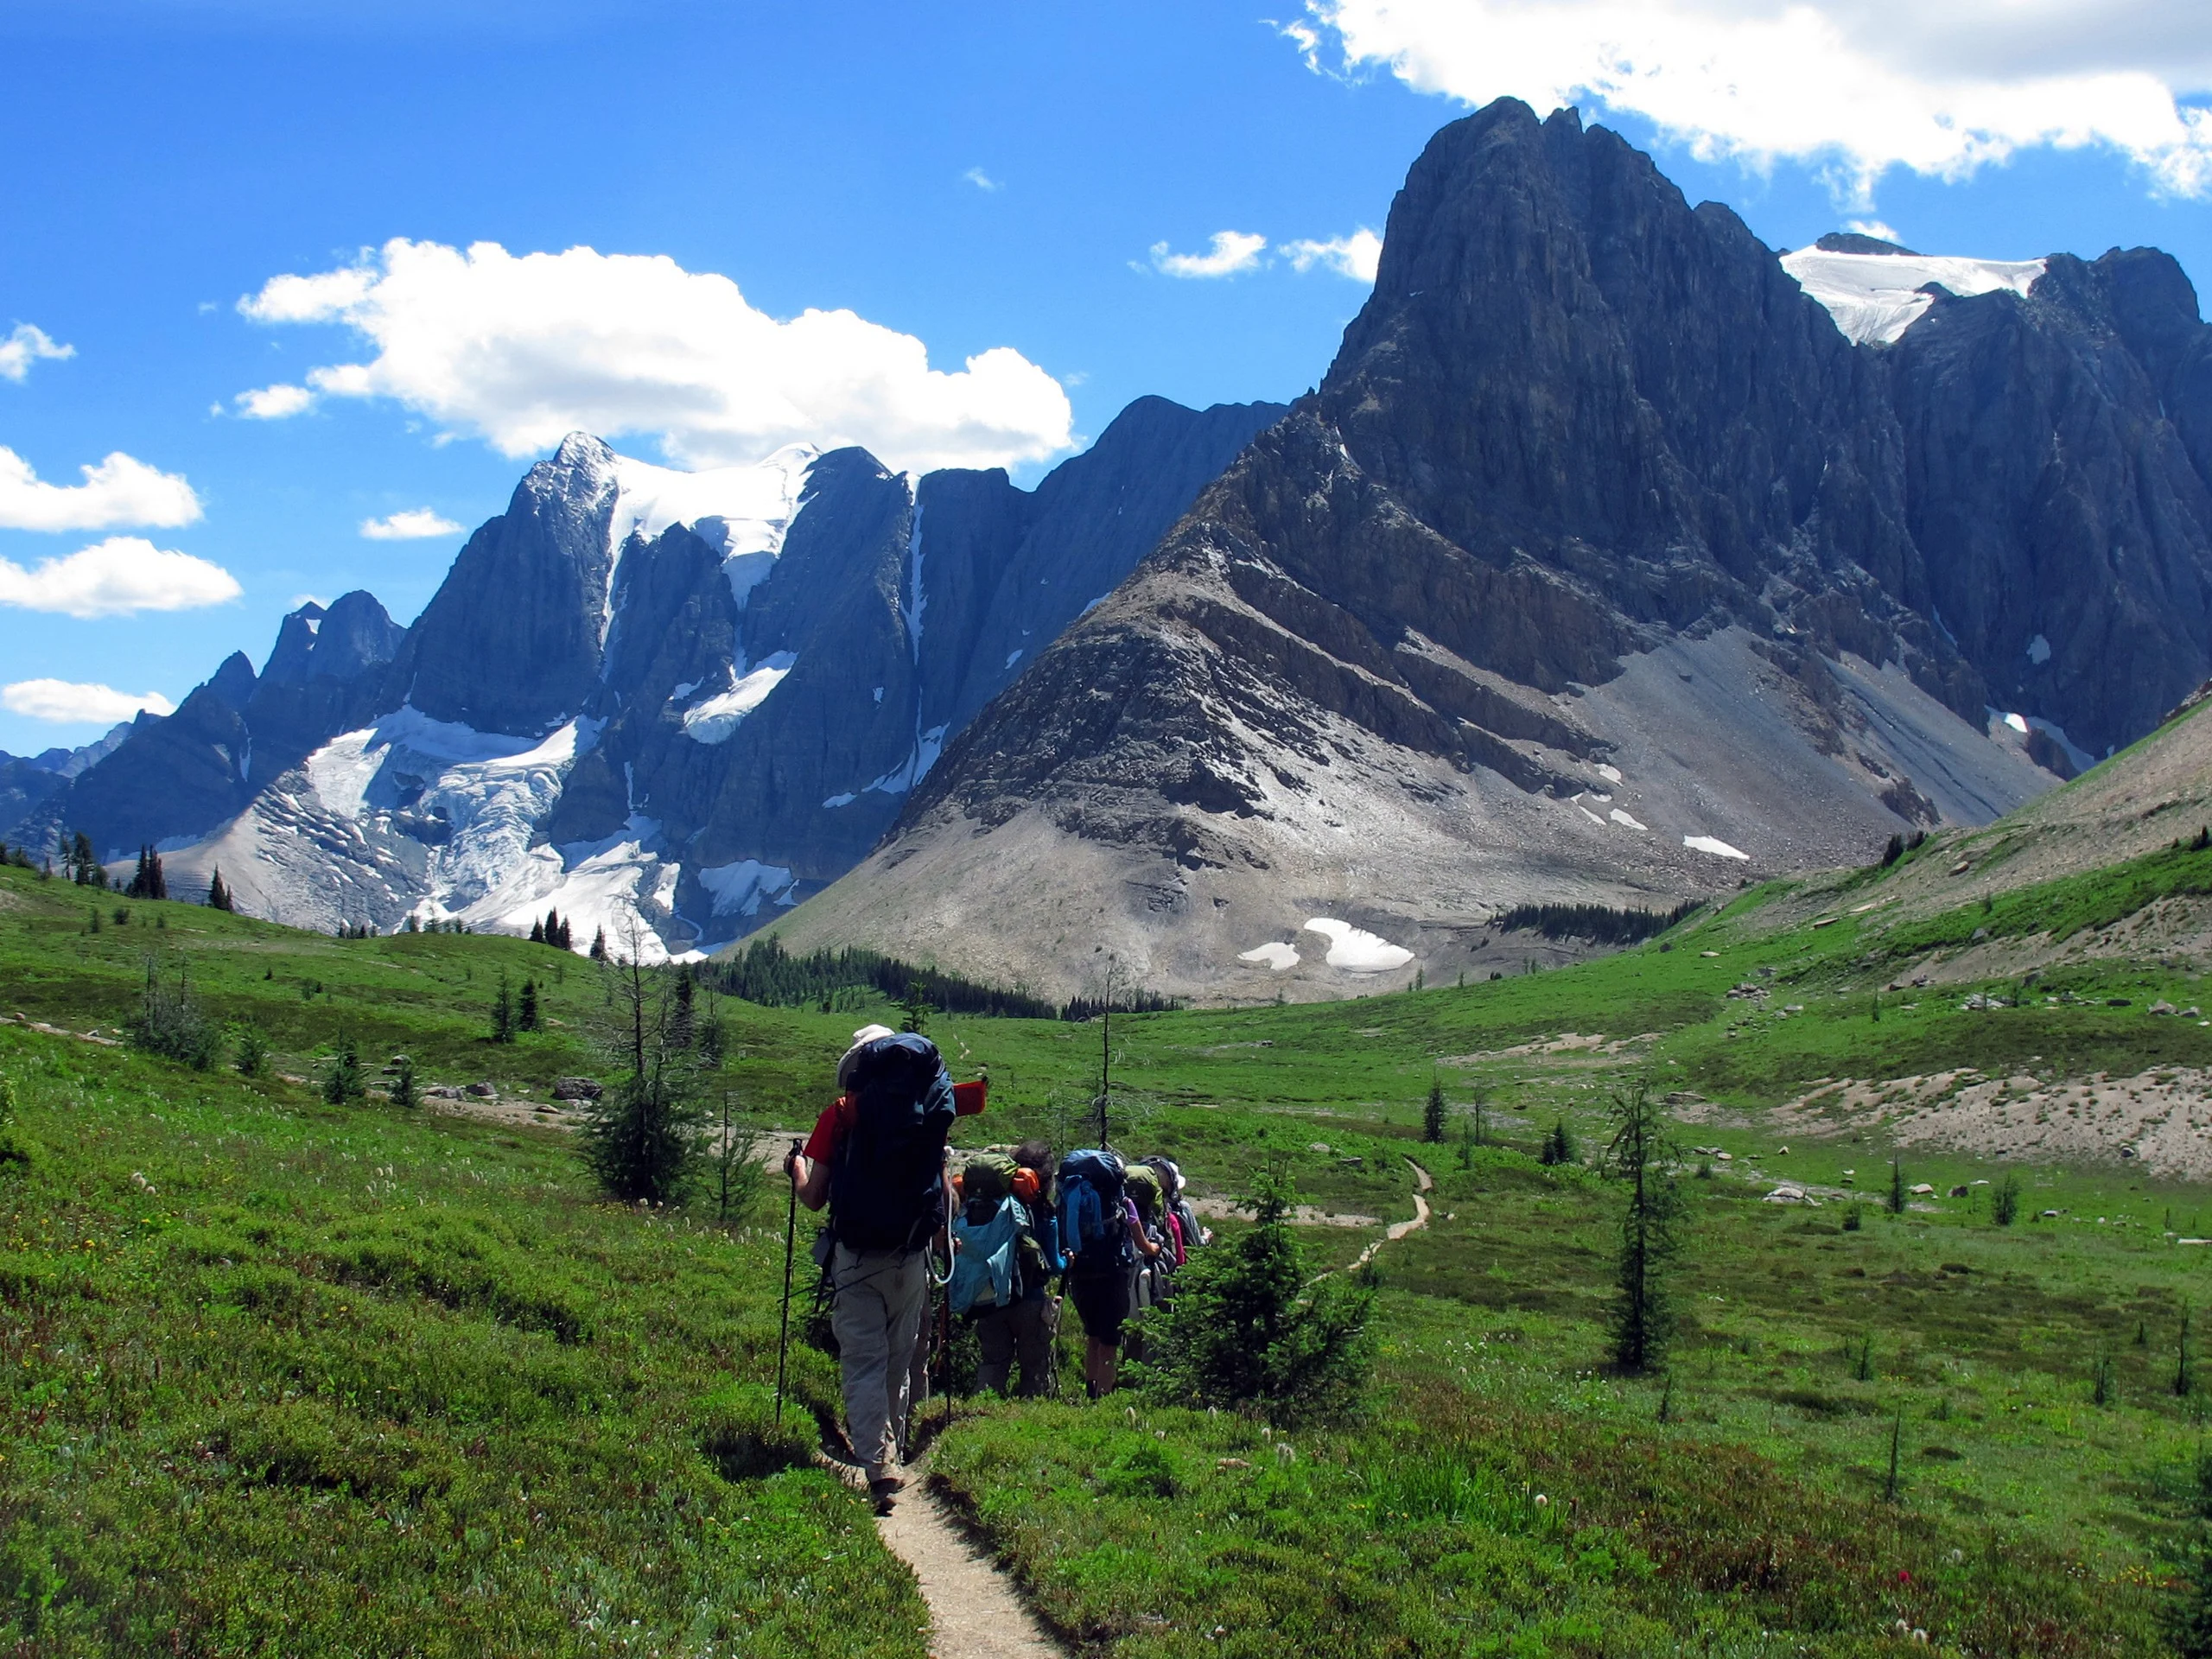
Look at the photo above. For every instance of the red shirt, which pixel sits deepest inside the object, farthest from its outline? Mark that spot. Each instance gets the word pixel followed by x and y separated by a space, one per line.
pixel 968 1100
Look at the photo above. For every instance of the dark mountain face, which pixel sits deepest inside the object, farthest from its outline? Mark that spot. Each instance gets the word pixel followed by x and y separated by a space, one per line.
pixel 511 641
pixel 2058 449
pixel 1597 531
pixel 724 710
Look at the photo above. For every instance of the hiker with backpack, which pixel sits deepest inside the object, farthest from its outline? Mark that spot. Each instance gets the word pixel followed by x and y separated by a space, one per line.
pixel 1001 1274
pixel 877 1159
pixel 1100 1232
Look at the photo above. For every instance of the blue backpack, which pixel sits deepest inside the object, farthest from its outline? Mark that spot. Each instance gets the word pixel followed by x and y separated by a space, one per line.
pixel 986 1257
pixel 887 1191
pixel 1092 1230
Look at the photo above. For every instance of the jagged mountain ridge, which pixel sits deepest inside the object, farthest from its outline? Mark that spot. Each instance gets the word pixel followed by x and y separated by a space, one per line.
pixel 650 699
pixel 1602 565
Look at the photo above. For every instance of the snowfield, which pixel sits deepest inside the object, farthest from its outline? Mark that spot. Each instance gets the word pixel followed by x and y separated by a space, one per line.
pixel 1274 955
pixel 1714 845
pixel 715 719
pixel 1356 951
pixel 1875 297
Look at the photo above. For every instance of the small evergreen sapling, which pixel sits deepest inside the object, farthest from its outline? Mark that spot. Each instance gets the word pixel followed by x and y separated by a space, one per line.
pixel 403 1084
pixel 250 1051
pixel 526 1013
pixel 1641 1157
pixel 1248 1329
pixel 341 1082
pixel 503 1012
pixel 219 893
pixel 1897 1187
pixel 1431 1113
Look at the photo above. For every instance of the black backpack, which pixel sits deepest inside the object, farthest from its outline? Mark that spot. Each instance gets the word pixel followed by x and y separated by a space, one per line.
pixel 887 1190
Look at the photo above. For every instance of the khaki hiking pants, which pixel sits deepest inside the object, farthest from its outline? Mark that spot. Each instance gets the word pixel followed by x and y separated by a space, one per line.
pixel 879 1295
pixel 1024 1331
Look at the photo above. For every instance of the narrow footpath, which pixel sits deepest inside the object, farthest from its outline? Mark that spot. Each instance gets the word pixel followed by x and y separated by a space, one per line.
pixel 975 1610
pixel 1424 1183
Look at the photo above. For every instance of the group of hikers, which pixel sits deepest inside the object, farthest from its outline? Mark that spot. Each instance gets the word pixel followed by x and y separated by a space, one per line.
pixel 1013 1232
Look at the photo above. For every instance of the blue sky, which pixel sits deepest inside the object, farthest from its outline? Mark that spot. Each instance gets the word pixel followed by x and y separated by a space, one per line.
pixel 977 177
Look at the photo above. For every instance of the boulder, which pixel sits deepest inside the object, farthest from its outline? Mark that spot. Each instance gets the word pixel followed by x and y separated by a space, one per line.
pixel 483 1091
pixel 577 1089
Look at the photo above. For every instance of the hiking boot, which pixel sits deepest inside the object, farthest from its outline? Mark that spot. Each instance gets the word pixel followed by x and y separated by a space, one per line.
pixel 885 1491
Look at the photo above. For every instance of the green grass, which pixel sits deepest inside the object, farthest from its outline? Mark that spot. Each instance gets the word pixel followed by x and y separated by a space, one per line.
pixel 276 1378
pixel 283 1377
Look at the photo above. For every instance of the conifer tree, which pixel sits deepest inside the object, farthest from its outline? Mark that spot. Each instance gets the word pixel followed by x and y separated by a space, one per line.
pixel 1641 1157
pixel 566 940
pixel 219 893
pixel 526 1015
pixel 680 1024
pixel 537 933
pixel 403 1083
pixel 343 1081
pixel 1432 1115
pixel 503 1012
pixel 599 946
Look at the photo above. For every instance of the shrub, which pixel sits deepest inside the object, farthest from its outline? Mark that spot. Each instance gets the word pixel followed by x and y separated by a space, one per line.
pixel 251 1053
pixel 170 1024
pixel 1559 1146
pixel 15 1147
pixel 1246 1331
pixel 341 1081
pixel 2005 1202
pixel 642 1137
pixel 403 1084
pixel 2187 1616
pixel 740 1435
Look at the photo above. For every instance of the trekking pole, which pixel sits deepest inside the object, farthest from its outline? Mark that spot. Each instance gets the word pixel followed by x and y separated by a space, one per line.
pixel 783 1333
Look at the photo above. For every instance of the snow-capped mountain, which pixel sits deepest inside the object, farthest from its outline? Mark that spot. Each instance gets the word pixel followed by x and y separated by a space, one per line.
pixel 1617 557
pixel 662 703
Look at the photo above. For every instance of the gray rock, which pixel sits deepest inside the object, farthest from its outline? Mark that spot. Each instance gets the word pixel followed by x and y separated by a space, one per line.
pixel 577 1089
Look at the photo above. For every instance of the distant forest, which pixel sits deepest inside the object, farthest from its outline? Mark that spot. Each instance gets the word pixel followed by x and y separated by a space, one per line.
pixel 1600 924
pixel 766 972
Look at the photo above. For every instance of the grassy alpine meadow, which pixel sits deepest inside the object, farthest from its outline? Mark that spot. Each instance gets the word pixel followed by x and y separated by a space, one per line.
pixel 290 1376
pixel 283 1377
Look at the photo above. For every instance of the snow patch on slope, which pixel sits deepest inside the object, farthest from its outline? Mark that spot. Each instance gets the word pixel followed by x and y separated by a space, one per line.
pixel 1356 949
pixel 746 510
pixel 478 796
pixel 1275 955
pixel 1875 297
pixel 1714 845
pixel 741 888
pixel 714 719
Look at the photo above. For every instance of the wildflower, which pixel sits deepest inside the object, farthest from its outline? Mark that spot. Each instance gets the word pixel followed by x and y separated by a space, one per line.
pixel 1542 1503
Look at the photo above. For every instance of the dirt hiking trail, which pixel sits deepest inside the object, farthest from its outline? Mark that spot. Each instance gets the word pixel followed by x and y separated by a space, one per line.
pixel 975 1612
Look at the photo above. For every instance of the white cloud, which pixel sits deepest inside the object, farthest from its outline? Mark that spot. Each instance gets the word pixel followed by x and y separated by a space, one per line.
pixel 521 351
pixel 1853 86
pixel 275 403
pixel 22 346
pixel 119 491
pixel 116 577
pixel 1874 227
pixel 1356 256
pixel 1230 251
pixel 409 526
pixel 982 181
pixel 70 703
